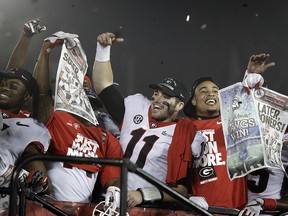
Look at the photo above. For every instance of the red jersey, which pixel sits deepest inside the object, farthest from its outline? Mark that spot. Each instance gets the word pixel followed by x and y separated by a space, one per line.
pixel 72 138
pixel 209 174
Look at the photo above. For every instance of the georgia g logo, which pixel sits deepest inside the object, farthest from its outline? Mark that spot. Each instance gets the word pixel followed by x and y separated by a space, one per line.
pixel 138 119
pixel 206 172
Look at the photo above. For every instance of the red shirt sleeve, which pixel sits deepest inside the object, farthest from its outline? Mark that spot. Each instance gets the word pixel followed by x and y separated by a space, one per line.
pixel 113 151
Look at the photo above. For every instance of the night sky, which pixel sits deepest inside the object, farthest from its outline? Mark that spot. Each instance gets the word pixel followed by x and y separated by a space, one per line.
pixel 160 41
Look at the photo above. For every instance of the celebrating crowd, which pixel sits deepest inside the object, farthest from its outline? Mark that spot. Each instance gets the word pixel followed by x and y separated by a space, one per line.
pixel 188 154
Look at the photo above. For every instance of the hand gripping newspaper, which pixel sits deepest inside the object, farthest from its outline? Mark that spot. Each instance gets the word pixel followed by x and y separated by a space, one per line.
pixel 253 125
pixel 69 93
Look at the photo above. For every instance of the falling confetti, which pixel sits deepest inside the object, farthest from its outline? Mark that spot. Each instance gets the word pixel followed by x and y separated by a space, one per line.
pixel 204 26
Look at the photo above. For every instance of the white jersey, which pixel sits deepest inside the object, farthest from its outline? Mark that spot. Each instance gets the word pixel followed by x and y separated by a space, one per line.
pixel 267 183
pixel 144 142
pixel 16 135
pixel 71 181
pixel 71 184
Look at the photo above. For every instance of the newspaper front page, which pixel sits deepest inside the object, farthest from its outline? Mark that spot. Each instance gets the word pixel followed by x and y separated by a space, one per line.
pixel 69 93
pixel 273 114
pixel 253 126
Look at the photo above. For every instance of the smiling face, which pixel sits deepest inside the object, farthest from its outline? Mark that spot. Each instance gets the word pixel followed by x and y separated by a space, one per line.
pixel 206 99
pixel 165 108
pixel 13 94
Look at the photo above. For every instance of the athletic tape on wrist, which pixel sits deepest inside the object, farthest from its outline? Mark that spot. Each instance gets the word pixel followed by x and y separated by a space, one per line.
pixel 102 53
pixel 150 194
pixel 45 51
pixel 269 204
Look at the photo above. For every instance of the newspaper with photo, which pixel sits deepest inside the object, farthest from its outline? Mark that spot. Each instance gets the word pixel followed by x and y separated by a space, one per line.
pixel 253 126
pixel 69 93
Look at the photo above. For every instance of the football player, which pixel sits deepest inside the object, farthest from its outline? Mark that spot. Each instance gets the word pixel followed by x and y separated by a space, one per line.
pixel 152 136
pixel 266 188
pixel 72 133
pixel 21 135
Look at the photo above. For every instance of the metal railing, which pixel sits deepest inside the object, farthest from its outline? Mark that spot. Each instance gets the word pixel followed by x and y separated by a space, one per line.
pixel 124 164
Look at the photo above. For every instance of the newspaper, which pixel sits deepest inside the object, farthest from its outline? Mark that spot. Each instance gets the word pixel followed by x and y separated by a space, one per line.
pixel 273 113
pixel 69 93
pixel 253 126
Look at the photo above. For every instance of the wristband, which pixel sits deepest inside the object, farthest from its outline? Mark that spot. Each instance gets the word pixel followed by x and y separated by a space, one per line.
pixel 150 194
pixel 45 51
pixel 102 53
pixel 269 204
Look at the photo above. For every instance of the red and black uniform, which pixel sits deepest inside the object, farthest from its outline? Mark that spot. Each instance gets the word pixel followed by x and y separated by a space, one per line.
pixel 163 149
pixel 209 174
pixel 72 138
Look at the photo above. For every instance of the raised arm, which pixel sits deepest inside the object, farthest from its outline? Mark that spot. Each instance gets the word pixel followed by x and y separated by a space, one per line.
pixel 41 74
pixel 102 76
pixel 256 66
pixel 18 56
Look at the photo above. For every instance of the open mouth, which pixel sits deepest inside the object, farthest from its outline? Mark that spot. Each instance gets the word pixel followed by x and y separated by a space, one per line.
pixel 211 102
pixel 157 107
pixel 4 96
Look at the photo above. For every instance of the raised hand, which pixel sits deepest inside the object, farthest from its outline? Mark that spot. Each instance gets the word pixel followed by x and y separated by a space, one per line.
pixel 108 38
pixel 258 64
pixel 57 39
pixel 33 27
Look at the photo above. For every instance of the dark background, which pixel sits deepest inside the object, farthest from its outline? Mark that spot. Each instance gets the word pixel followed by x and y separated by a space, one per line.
pixel 217 41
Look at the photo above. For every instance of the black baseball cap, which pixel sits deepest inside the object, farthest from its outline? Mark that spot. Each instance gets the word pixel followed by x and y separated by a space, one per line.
pixel 189 109
pixel 172 87
pixel 23 75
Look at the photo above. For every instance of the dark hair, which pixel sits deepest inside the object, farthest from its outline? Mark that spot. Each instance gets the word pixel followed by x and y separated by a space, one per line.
pixel 189 109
